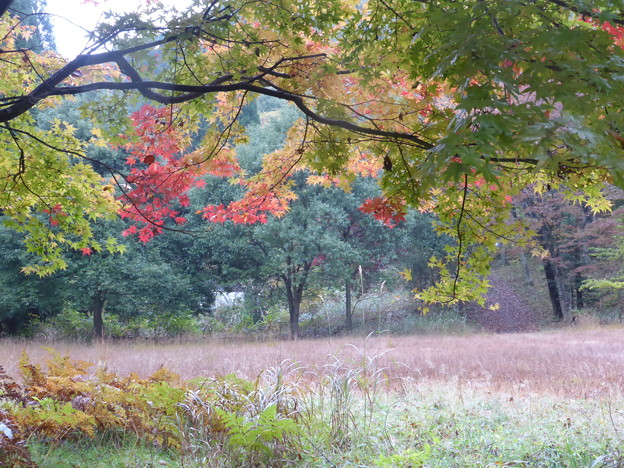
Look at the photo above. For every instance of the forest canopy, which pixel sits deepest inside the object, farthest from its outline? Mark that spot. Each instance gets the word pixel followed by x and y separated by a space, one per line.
pixel 456 107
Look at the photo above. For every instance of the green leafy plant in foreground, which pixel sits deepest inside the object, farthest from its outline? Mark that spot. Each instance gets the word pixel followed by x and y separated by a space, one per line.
pixel 243 422
pixel 265 435
pixel 232 417
pixel 408 458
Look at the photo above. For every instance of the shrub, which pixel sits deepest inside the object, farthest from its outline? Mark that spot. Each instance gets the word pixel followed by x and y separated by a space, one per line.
pixel 69 324
pixel 244 421
pixel 175 324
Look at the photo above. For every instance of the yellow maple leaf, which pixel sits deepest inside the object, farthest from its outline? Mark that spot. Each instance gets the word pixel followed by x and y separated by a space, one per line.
pixel 406 274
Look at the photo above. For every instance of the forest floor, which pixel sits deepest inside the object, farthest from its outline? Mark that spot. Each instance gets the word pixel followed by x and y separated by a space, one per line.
pixel 509 312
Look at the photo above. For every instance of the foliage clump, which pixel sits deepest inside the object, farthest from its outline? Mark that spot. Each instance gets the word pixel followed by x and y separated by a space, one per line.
pixel 13 448
pixel 67 403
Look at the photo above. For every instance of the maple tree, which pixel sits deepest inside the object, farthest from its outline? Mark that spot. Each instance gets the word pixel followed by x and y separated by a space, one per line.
pixel 461 104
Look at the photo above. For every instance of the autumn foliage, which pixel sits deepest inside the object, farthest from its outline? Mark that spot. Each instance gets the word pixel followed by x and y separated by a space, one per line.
pixel 67 402
pixel 455 110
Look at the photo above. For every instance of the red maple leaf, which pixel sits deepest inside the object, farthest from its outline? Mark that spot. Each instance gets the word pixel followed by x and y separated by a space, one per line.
pixel 388 211
pixel 161 186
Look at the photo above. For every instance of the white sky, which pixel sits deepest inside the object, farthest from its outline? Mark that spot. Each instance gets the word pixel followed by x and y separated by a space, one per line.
pixel 71 38
pixel 72 16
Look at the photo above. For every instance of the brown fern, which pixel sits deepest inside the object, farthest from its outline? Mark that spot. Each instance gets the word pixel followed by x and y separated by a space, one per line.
pixel 13 450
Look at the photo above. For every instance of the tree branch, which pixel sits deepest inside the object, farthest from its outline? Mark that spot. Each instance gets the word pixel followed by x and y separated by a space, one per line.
pixel 590 14
pixel 460 237
pixel 146 88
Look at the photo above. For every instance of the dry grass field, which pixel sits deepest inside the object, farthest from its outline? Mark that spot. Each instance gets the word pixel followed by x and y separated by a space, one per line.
pixel 551 398
pixel 567 363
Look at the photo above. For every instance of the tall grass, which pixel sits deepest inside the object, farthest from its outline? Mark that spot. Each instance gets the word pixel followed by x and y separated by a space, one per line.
pixel 574 363
pixel 539 399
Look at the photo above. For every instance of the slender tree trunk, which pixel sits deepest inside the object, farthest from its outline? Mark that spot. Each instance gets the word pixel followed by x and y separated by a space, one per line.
pixel 294 281
pixel 565 293
pixel 578 280
pixel 528 278
pixel 348 310
pixel 97 308
pixel 503 255
pixel 292 312
pixel 553 290
pixel 580 259
pixel 550 271
pixel 294 306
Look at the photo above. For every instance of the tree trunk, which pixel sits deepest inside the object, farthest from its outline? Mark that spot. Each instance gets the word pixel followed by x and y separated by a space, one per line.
pixel 553 291
pixel 97 308
pixel 565 293
pixel 294 320
pixel 550 271
pixel 294 308
pixel 503 255
pixel 528 278
pixel 294 283
pixel 578 283
pixel 348 310
pixel 294 304
pixel 581 258
pixel 4 6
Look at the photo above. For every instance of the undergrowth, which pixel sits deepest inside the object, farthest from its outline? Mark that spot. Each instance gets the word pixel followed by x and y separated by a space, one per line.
pixel 234 420
pixel 72 414
pixel 376 311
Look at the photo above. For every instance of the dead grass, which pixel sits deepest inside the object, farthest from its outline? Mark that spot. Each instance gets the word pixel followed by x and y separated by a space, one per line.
pixel 570 363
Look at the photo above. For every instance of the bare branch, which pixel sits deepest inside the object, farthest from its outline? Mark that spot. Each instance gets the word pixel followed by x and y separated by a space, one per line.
pixel 460 237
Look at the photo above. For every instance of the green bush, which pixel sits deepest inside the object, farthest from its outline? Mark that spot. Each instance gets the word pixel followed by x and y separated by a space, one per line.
pixel 175 324
pixel 69 324
pixel 73 325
